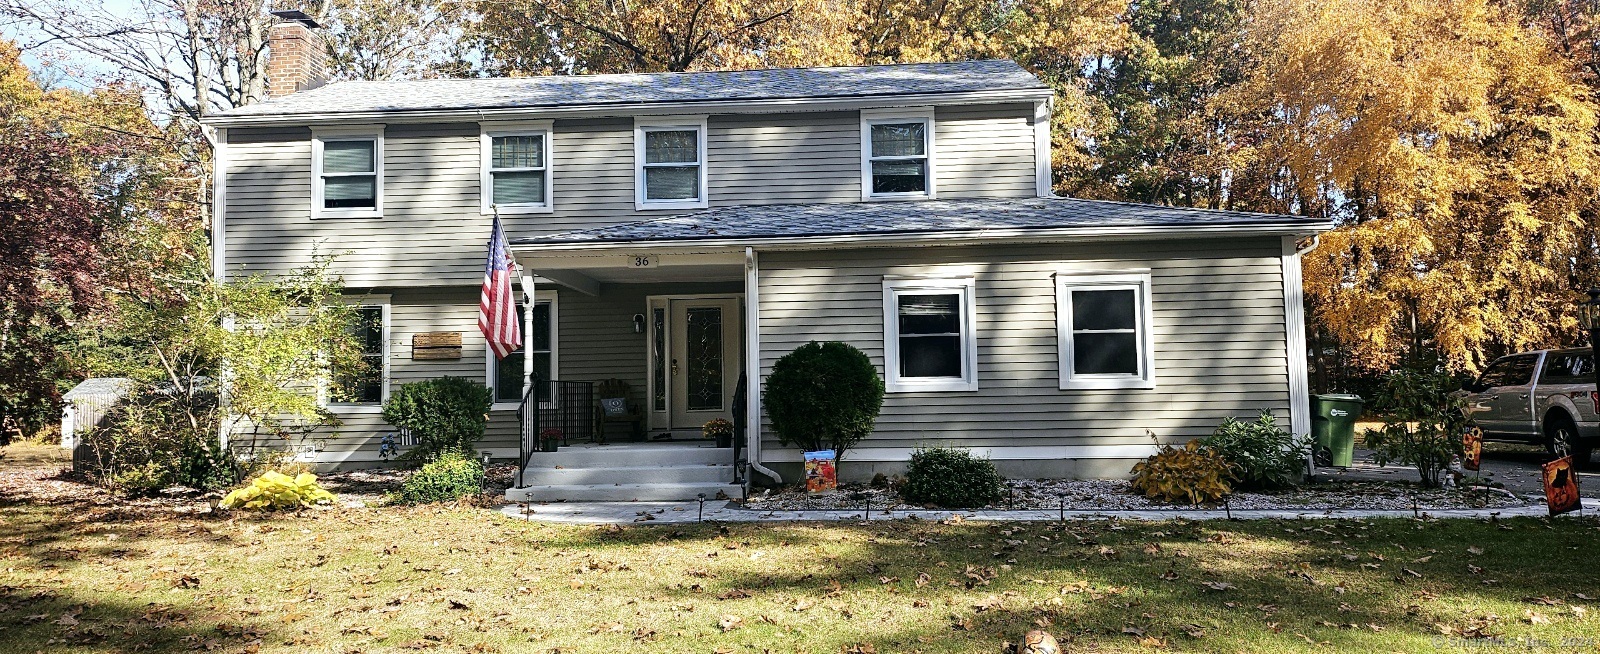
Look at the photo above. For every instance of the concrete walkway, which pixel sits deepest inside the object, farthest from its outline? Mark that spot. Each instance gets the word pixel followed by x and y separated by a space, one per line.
pixel 597 513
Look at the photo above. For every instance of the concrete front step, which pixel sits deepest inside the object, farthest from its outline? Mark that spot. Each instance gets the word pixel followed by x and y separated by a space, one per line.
pixel 639 455
pixel 628 475
pixel 659 492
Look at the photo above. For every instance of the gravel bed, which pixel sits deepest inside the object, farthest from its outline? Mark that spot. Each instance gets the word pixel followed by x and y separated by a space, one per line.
pixel 1117 495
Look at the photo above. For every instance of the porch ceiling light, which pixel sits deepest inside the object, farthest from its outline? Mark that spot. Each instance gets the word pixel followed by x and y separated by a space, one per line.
pixel 1589 311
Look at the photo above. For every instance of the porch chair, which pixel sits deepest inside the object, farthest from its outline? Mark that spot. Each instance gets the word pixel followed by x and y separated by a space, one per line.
pixel 615 404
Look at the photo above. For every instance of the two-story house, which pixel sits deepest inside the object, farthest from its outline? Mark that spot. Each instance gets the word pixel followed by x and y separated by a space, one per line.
pixel 679 232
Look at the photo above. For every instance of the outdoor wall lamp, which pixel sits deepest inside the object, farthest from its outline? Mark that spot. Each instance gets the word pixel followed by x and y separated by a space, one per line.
pixel 638 323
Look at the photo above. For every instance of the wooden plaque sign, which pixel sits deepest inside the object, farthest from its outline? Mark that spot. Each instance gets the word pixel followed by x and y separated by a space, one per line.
pixel 428 346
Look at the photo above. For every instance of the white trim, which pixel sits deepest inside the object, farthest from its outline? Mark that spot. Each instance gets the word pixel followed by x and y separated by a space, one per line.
pixel 752 358
pixel 995 453
pixel 965 288
pixel 1137 281
pixel 489 380
pixel 321 134
pixel 966 237
pixel 1041 150
pixel 384 302
pixel 870 117
pixel 219 206
pixel 1294 323
pixel 487 131
pixel 771 105
pixel 643 124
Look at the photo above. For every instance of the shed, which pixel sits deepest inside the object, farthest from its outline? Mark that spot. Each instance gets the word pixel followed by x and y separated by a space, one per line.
pixel 86 405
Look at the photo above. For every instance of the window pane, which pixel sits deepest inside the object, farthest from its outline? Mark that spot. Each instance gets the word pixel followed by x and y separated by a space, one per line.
pixel 900 176
pixel 1568 369
pixel 541 327
pixel 1101 353
pixel 930 314
pixel 677 146
pixel 362 382
pixel 672 183
pixel 508 378
pixel 930 356
pixel 369 329
pixel 348 156
pixel 899 140
pixel 703 346
pixel 517 151
pixel 346 192
pixel 1097 310
pixel 519 188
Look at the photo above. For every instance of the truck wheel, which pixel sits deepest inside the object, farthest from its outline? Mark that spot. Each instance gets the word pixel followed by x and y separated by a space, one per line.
pixel 1561 439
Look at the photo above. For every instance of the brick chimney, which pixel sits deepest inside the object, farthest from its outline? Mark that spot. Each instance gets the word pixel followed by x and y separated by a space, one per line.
pixel 297 60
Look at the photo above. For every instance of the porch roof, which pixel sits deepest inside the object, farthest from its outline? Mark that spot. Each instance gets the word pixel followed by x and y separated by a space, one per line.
pixel 976 218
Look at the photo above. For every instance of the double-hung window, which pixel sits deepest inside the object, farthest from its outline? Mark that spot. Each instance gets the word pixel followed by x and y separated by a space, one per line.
pixel 897 154
pixel 1103 329
pixel 670 156
pixel 516 167
pixel 347 173
pixel 930 342
pixel 364 382
pixel 539 342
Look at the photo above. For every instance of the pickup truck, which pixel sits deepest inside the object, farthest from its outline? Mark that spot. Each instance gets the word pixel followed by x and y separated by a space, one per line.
pixel 1546 397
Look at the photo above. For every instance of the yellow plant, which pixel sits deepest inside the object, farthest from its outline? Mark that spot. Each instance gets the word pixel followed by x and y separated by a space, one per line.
pixel 275 490
pixel 1191 473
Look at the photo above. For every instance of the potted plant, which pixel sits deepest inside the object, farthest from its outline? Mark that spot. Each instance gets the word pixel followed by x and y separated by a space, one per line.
pixel 720 429
pixel 549 439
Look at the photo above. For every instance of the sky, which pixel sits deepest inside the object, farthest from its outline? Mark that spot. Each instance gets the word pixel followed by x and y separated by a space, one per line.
pixel 58 63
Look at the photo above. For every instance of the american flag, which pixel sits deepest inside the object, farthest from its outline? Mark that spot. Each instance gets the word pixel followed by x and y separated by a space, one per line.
pixel 497 310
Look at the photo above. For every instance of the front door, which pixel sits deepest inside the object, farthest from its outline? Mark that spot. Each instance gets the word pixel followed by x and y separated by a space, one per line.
pixel 700 370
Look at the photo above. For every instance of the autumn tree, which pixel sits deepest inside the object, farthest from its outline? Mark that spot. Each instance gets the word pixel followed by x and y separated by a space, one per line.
pixel 1456 150
pixel 396 39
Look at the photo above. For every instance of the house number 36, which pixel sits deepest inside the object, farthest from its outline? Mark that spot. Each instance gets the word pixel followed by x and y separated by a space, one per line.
pixel 645 261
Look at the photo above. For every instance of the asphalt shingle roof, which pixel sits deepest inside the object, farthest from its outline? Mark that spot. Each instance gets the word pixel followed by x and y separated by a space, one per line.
pixel 588 90
pixel 898 218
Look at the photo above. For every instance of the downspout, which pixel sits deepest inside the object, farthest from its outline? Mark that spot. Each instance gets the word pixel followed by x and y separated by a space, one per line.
pixel 752 365
pixel 1316 239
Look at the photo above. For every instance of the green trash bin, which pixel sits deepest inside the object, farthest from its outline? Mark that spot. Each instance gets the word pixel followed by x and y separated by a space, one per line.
pixel 1333 424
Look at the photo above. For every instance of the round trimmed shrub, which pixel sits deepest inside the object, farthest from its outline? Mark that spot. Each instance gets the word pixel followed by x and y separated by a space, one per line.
pixel 447 414
pixel 447 479
pixel 823 396
pixel 952 477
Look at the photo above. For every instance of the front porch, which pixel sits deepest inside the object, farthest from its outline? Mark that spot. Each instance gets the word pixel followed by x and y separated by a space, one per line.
pixel 660 344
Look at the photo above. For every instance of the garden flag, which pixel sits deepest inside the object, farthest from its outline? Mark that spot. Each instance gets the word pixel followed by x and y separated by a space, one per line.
pixel 497 310
pixel 1561 487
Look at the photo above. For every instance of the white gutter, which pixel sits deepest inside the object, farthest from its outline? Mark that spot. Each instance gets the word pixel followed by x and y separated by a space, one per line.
pixel 772 105
pixel 752 364
pixel 1296 325
pixel 943 238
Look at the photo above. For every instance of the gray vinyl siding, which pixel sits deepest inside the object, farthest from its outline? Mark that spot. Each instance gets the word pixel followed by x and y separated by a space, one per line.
pixel 432 231
pixel 1218 327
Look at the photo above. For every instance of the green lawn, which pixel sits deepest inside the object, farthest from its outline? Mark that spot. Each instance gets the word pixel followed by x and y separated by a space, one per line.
pixel 79 574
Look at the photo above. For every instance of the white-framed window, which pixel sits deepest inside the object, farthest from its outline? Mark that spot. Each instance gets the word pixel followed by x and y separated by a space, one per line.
pixel 1103 329
pixel 365 386
pixel 539 340
pixel 930 339
pixel 669 156
pixel 347 173
pixel 897 160
pixel 515 172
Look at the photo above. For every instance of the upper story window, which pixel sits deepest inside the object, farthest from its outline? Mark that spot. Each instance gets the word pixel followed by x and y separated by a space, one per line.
pixel 897 154
pixel 347 173
pixel 516 167
pixel 930 342
pixel 670 156
pixel 1103 329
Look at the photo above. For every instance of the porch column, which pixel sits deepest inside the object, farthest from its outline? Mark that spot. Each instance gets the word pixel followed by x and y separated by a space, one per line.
pixel 526 280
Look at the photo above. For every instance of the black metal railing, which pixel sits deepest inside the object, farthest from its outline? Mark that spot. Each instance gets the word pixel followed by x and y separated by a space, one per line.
pixel 564 406
pixel 741 413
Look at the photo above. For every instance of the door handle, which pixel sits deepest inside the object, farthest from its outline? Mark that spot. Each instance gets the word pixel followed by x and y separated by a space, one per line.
pixel 674 367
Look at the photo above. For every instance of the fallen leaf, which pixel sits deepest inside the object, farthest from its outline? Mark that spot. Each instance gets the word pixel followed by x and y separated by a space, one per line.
pixel 730 622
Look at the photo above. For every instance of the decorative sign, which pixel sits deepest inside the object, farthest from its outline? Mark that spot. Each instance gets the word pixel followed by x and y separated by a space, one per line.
pixel 642 261
pixel 1472 448
pixel 821 476
pixel 433 346
pixel 1561 486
